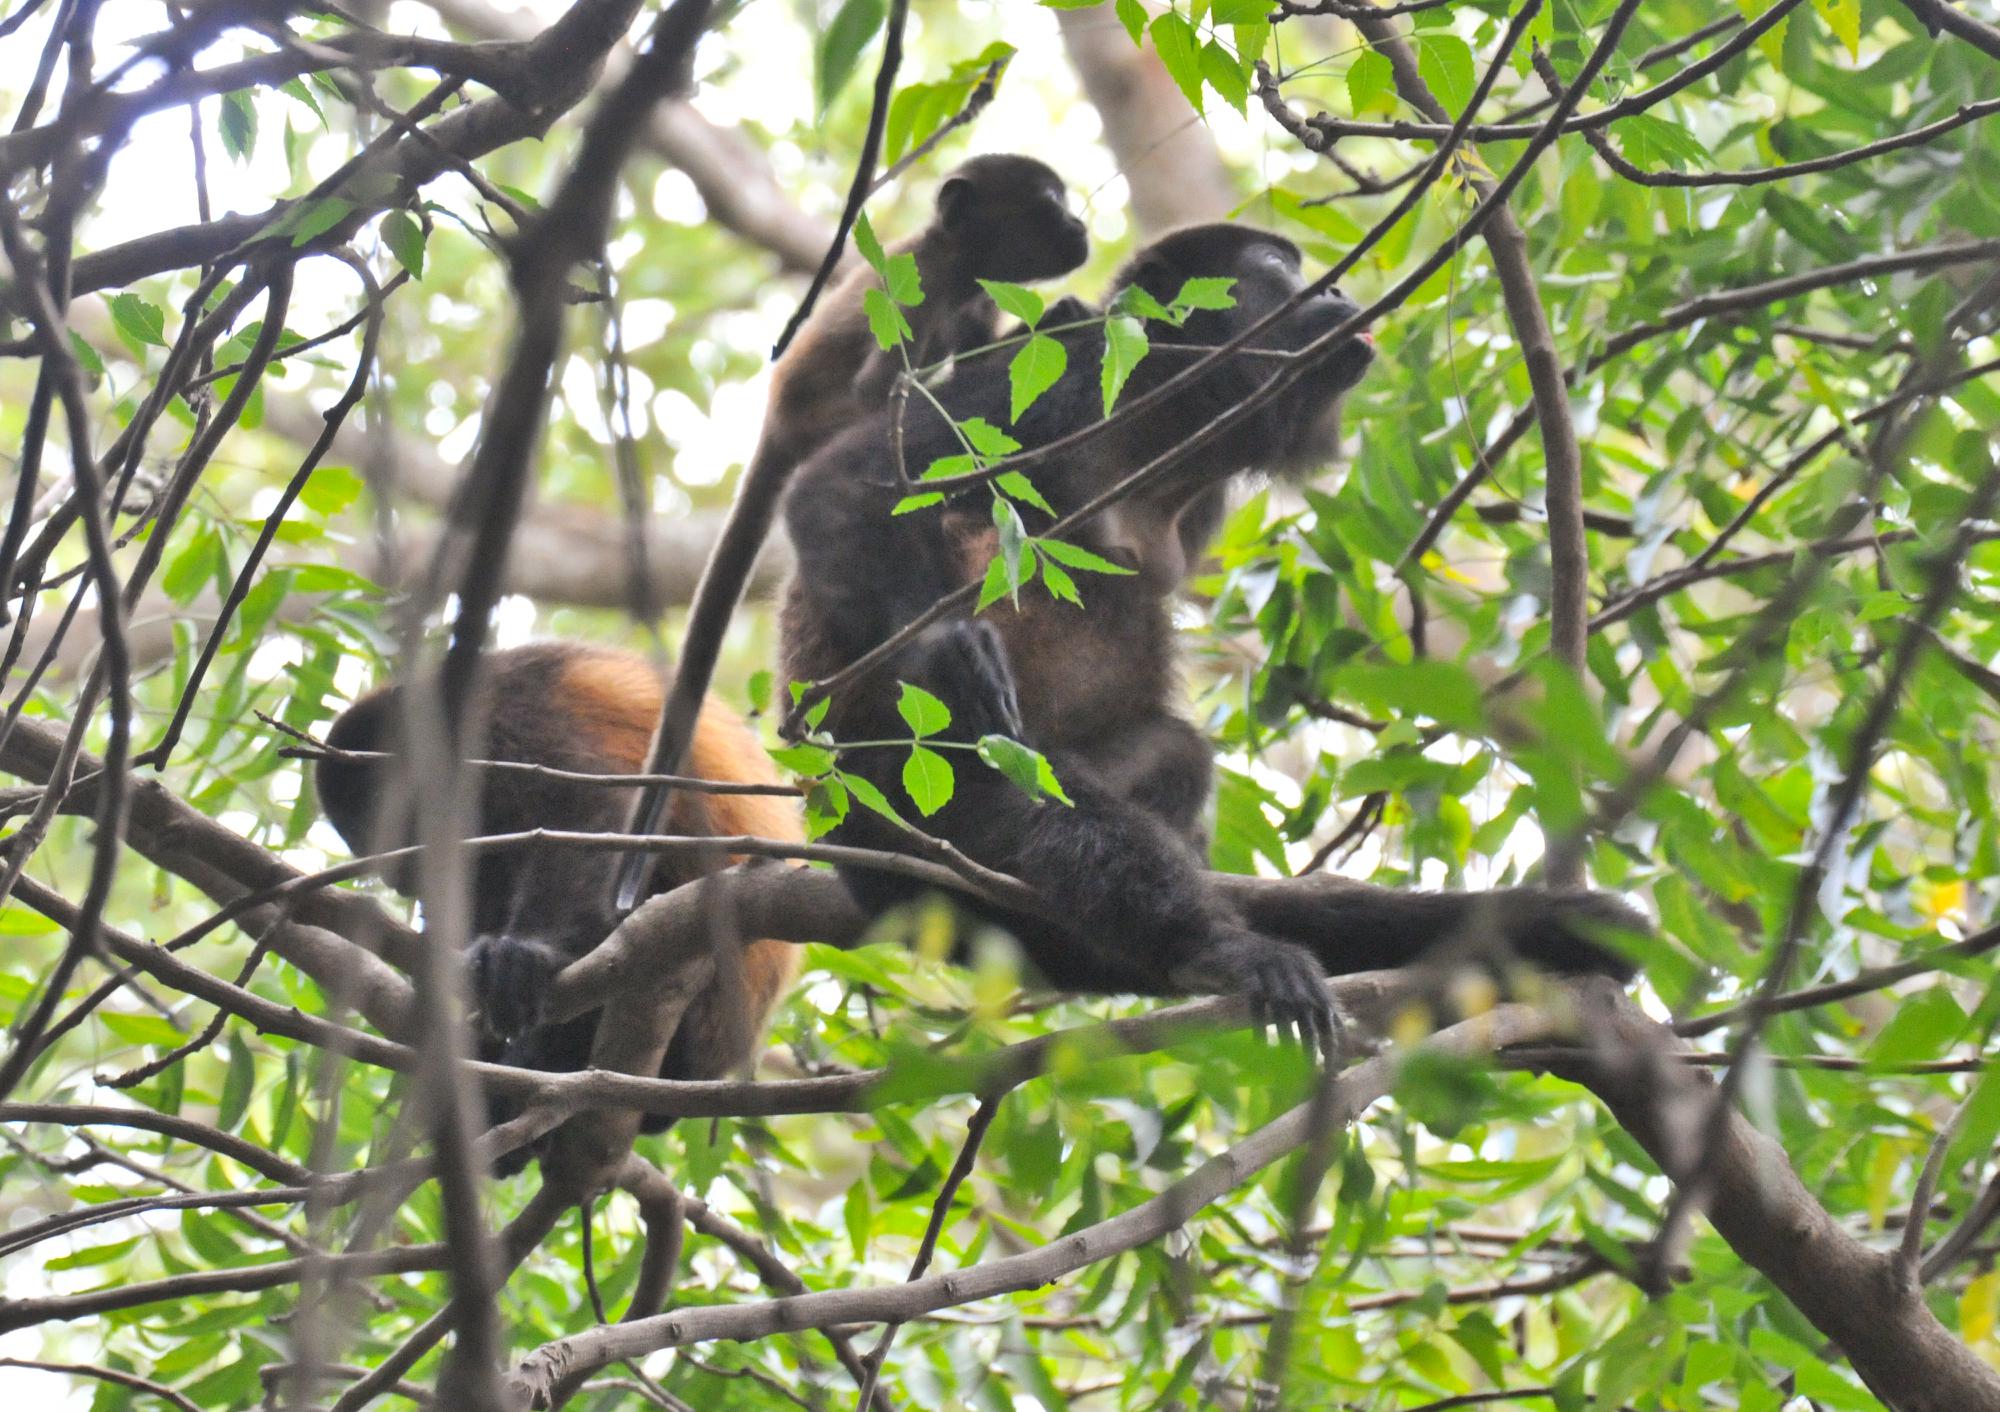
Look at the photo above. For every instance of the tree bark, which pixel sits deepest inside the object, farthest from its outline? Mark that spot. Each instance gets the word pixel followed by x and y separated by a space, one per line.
pixel 1167 157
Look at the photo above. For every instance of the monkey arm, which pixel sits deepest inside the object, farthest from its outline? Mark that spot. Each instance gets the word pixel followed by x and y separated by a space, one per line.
pixel 877 378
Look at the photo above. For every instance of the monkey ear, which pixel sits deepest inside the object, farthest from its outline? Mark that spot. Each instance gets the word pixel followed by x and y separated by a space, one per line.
pixel 955 200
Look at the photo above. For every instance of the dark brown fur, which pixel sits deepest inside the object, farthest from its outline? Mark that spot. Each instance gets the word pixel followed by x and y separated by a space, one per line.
pixel 1093 687
pixel 998 217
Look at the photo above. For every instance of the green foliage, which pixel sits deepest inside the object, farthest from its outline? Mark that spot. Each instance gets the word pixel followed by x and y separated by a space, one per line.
pixel 847 33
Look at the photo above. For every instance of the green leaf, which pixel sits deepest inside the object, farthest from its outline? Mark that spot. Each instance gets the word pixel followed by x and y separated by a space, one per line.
pixel 1003 580
pixel 1251 41
pixel 94 1255
pixel 1075 556
pixel 1444 691
pixel 852 27
pixel 1036 368
pixel 405 239
pixel 299 93
pixel 1125 343
pixel 987 440
pixel 1923 1025
pixel 1028 769
pixel 907 109
pixel 140 321
pixel 1444 61
pixel 193 568
pixel 927 778
pixel 923 712
pixel 1023 304
pixel 871 798
pixel 1021 488
pixel 921 501
pixel 854 1212
pixel 804 758
pixel 1238 12
pixel 237 1084
pixel 331 489
pixel 1371 83
pixel 826 805
pixel 86 356
pixel 1204 292
pixel 238 124
pixel 868 244
pixel 319 218
pixel 1132 15
pixel 1650 142
pixel 1013 540
pixel 1137 303
pixel 903 280
pixel 885 320
pixel 1225 76
pixel 1175 42
pixel 1060 585
pixel 135 1028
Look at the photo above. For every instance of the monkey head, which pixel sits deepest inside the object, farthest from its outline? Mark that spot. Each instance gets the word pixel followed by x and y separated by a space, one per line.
pixel 1300 429
pixel 1009 216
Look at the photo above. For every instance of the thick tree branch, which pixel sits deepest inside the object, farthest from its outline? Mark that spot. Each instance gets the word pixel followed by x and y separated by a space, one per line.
pixel 1856 1296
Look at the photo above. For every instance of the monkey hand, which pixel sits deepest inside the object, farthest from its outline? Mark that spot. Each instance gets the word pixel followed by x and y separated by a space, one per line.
pixel 1565 933
pixel 510 980
pixel 1284 985
pixel 965 664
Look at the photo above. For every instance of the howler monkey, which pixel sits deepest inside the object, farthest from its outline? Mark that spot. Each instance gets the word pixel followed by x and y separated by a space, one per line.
pixel 1091 686
pixel 999 217
pixel 586 709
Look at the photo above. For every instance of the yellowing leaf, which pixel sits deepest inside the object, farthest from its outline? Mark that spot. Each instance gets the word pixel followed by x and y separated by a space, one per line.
pixel 1978 1307
pixel 1843 17
pixel 1940 900
pixel 1882 1168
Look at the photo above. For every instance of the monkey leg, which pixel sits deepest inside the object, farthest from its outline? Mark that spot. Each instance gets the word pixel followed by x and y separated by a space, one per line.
pixel 1138 914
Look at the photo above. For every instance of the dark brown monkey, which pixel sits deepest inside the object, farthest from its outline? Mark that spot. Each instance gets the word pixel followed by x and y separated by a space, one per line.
pixel 1092 687
pixel 589 709
pixel 999 217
